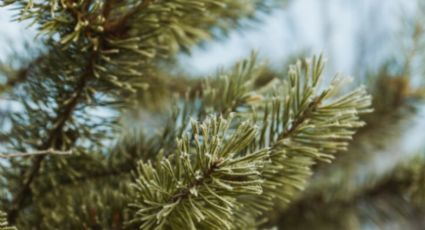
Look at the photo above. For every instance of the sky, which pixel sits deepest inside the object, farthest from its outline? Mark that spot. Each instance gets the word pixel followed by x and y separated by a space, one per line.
pixel 12 34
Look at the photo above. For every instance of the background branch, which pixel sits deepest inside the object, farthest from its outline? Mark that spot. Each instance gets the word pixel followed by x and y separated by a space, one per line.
pixel 36 153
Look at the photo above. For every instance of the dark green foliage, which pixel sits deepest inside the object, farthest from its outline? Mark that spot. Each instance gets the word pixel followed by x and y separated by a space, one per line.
pixel 233 149
pixel 3 222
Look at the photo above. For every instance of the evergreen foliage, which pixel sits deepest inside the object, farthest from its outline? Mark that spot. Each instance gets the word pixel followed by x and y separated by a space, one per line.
pixel 231 151
pixel 219 180
pixel 3 223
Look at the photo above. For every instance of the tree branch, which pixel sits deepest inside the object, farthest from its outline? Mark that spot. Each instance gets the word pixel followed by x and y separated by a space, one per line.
pixel 183 193
pixel 36 153
pixel 51 142
pixel 305 114
pixel 118 25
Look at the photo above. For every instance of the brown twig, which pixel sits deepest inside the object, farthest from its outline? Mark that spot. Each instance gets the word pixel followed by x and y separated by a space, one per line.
pixel 36 153
pixel 117 25
pixel 302 117
pixel 197 182
pixel 51 142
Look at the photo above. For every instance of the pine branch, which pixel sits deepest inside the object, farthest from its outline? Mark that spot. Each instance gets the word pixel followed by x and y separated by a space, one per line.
pixel 229 91
pixel 243 76
pixel 117 25
pixel 302 126
pixel 223 174
pixel 305 114
pixel 213 171
pixel 36 153
pixel 302 118
pixel 298 126
pixel 3 222
pixel 50 142
pixel 290 163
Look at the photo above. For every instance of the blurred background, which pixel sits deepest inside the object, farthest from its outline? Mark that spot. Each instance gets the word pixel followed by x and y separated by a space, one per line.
pixel 380 44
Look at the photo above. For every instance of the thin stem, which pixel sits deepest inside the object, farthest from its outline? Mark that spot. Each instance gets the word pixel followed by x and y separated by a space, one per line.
pixel 36 153
pixel 186 191
pixel 118 25
pixel 302 117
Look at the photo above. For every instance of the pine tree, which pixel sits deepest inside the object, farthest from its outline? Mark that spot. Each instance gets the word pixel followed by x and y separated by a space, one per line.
pixel 231 151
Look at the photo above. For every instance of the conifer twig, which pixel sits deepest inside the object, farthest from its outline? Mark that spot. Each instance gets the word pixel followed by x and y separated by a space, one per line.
pixel 62 118
pixel 36 153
